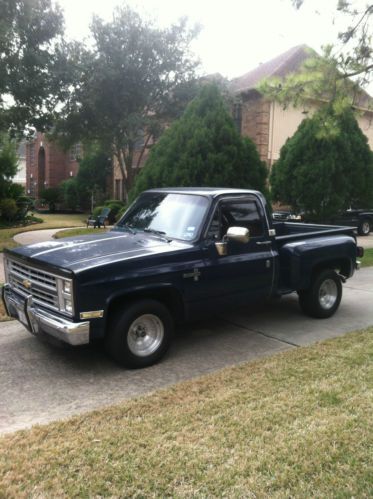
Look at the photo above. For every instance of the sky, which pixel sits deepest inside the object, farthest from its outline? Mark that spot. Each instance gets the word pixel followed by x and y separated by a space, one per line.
pixel 236 35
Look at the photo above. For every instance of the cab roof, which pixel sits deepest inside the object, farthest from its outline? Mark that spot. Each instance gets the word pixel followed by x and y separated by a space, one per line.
pixel 204 191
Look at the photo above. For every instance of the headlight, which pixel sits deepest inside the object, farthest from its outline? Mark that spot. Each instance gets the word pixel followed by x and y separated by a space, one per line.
pixel 68 306
pixel 65 295
pixel 67 287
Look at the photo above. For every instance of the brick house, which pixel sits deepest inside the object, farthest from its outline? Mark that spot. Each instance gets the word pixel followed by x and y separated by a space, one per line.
pixel 267 123
pixel 47 165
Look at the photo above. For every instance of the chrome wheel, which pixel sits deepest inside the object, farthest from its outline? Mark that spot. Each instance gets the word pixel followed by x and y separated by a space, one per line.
pixel 145 335
pixel 328 294
pixel 365 228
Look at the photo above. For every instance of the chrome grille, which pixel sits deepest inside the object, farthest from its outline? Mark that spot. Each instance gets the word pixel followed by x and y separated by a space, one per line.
pixel 32 281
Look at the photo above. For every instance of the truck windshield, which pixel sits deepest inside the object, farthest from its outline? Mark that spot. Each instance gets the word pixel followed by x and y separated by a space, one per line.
pixel 176 216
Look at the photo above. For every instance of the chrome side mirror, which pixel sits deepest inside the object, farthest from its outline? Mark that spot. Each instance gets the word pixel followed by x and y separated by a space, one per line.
pixel 238 234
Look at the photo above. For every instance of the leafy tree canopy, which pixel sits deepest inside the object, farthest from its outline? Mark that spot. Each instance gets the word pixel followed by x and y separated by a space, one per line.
pixel 354 49
pixel 323 172
pixel 8 165
pixel 33 64
pixel 94 169
pixel 203 148
pixel 124 85
pixel 340 73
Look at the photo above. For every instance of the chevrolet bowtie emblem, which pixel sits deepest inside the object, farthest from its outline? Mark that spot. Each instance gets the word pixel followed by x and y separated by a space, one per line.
pixel 26 283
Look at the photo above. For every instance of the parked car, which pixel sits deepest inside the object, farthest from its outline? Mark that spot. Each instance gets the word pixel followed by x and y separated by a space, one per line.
pixel 286 216
pixel 176 255
pixel 359 218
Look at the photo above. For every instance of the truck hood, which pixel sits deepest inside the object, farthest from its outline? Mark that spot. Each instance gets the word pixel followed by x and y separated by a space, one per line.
pixel 84 252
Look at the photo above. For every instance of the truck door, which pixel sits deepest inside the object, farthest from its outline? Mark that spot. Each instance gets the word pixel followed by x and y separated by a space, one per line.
pixel 245 274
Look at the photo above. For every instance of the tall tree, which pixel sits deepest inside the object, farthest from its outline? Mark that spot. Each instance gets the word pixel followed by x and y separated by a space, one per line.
pixel 203 148
pixel 94 170
pixel 354 49
pixel 32 63
pixel 326 166
pixel 122 95
pixel 8 164
pixel 341 72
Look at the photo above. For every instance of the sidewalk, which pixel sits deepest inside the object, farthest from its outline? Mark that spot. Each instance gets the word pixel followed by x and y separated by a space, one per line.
pixel 38 236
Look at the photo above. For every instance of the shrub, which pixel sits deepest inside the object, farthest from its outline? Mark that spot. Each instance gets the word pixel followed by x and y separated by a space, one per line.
pixel 8 209
pixel 115 208
pixel 15 191
pixel 23 200
pixel 97 211
pixel 51 196
pixel 121 212
pixel 70 194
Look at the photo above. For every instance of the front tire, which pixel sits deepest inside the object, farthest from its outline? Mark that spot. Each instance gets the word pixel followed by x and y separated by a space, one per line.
pixel 323 297
pixel 364 228
pixel 141 335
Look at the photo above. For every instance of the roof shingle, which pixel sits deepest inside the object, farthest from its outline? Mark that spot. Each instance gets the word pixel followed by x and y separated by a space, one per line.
pixel 285 63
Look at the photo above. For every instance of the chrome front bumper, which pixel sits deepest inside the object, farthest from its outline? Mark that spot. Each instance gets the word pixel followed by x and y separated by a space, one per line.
pixel 36 319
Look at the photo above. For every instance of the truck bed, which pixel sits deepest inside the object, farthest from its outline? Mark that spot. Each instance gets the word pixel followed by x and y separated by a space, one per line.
pixel 289 231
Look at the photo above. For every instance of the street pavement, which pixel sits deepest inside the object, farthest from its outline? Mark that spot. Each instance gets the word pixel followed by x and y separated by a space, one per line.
pixel 41 382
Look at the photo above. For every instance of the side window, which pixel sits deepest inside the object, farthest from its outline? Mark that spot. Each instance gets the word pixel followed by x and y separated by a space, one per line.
pixel 243 214
pixel 236 214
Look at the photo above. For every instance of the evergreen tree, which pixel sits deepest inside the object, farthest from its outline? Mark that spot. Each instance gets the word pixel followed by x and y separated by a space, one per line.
pixel 325 167
pixel 203 148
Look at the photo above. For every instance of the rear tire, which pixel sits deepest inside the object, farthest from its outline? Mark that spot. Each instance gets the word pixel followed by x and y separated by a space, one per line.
pixel 141 335
pixel 323 297
pixel 364 227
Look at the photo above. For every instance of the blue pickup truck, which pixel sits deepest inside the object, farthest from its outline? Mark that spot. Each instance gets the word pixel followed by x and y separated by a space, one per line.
pixel 176 255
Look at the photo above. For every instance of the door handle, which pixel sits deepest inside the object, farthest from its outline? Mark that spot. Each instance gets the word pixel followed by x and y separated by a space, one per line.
pixel 264 243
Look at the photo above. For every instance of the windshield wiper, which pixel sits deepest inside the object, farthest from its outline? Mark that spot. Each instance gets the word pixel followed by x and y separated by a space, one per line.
pixel 158 233
pixel 129 228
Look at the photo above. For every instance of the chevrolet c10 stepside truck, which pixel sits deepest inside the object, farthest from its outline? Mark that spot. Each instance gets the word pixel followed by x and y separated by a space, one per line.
pixel 176 254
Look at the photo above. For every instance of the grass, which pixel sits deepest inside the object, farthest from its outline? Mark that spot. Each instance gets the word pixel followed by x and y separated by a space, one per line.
pixel 367 260
pixel 3 315
pixel 297 424
pixel 50 221
pixel 78 232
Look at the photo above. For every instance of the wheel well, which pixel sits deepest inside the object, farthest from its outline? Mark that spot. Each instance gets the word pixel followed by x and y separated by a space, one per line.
pixel 170 298
pixel 343 266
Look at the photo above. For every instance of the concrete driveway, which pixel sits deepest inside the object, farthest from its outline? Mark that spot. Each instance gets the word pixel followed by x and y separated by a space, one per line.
pixel 42 382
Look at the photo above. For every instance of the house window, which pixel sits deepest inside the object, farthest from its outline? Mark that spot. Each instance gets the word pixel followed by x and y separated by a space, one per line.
pixel 76 152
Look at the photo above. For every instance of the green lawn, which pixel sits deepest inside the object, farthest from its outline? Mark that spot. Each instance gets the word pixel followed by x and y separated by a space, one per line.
pixel 367 260
pixel 298 424
pixel 50 221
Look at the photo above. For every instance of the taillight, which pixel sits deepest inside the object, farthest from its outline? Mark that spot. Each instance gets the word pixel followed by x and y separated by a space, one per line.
pixel 360 251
